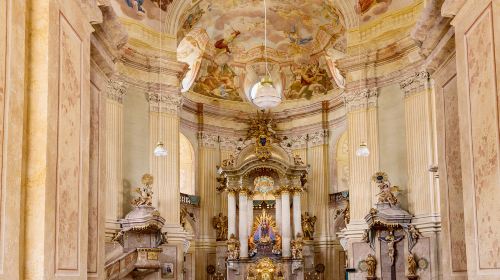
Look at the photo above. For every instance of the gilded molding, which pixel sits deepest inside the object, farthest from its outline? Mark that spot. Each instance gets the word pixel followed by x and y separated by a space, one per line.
pixel 360 99
pixel 416 83
pixel 116 90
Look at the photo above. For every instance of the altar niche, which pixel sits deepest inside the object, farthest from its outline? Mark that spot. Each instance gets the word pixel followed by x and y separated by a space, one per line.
pixel 264 240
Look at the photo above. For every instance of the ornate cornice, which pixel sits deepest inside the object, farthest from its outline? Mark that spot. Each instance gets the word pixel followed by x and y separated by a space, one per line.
pixel 416 83
pixel 116 89
pixel 360 99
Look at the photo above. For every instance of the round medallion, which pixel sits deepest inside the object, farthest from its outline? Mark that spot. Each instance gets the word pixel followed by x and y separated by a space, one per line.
pixel 363 266
pixel 210 269
pixel 319 268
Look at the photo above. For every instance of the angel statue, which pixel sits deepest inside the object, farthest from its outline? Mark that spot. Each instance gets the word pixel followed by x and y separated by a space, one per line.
pixel 387 193
pixel 233 248
pixel 145 192
pixel 297 246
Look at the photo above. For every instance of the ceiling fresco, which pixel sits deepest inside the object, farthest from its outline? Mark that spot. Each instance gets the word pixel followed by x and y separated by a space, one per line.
pixel 299 34
pixel 371 9
pixel 147 11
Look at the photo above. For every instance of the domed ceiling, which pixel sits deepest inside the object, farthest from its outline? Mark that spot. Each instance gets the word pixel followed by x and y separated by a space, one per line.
pixel 223 42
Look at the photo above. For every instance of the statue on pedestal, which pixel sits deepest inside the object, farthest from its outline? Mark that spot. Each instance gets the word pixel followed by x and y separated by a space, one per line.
pixel 412 266
pixel 233 248
pixel 308 226
pixel 371 267
pixel 145 192
pixel 220 224
pixel 297 246
pixel 387 193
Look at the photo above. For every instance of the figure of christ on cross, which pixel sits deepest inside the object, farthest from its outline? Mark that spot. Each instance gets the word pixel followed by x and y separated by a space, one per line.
pixel 391 241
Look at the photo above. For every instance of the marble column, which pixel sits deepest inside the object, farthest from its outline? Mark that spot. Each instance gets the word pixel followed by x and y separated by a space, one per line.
pixel 285 223
pixel 297 225
pixel 278 208
pixel 250 212
pixel 115 92
pixel 243 224
pixel 423 190
pixel 231 213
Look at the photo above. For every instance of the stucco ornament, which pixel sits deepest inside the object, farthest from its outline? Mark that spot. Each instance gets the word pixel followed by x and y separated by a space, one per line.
pixel 233 248
pixel 220 224
pixel 308 223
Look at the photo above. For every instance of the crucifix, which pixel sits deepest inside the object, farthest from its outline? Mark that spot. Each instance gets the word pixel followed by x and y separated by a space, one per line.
pixel 391 240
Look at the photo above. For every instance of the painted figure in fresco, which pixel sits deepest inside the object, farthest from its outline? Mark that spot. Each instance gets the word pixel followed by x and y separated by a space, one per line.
pixel 136 4
pixel 192 19
pixel 295 38
pixel 223 44
pixel 364 5
pixel 218 82
pixel 309 80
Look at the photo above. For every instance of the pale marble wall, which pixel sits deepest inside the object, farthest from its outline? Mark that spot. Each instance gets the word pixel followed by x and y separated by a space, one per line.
pixel 477 27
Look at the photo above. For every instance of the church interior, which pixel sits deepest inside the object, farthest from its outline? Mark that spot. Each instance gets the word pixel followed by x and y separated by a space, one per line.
pixel 250 139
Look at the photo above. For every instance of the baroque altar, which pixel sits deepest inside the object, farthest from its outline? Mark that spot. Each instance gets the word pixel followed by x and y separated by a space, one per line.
pixel 262 243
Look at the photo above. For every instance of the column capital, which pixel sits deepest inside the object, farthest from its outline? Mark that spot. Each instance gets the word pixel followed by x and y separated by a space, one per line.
pixel 167 97
pixel 284 189
pixel 360 99
pixel 116 89
pixel 318 138
pixel 296 190
pixel 244 191
pixel 415 83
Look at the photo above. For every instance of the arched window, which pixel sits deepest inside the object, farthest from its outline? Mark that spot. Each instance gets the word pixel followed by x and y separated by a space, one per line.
pixel 186 165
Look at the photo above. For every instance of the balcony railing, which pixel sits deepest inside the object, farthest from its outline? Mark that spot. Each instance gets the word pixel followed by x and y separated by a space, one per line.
pixel 190 199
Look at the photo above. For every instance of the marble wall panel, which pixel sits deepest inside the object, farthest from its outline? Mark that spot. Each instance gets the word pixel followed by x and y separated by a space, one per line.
pixel 68 156
pixel 454 178
pixel 484 119
pixel 454 265
pixel 422 250
pixel 477 29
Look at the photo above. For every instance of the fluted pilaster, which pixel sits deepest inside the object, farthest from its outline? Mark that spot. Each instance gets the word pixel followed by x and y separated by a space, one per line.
pixel 164 126
pixel 115 92
pixel 419 116
pixel 362 127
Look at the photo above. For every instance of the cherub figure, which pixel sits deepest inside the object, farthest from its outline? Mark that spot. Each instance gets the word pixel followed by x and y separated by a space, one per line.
pixel 387 193
pixel 145 192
